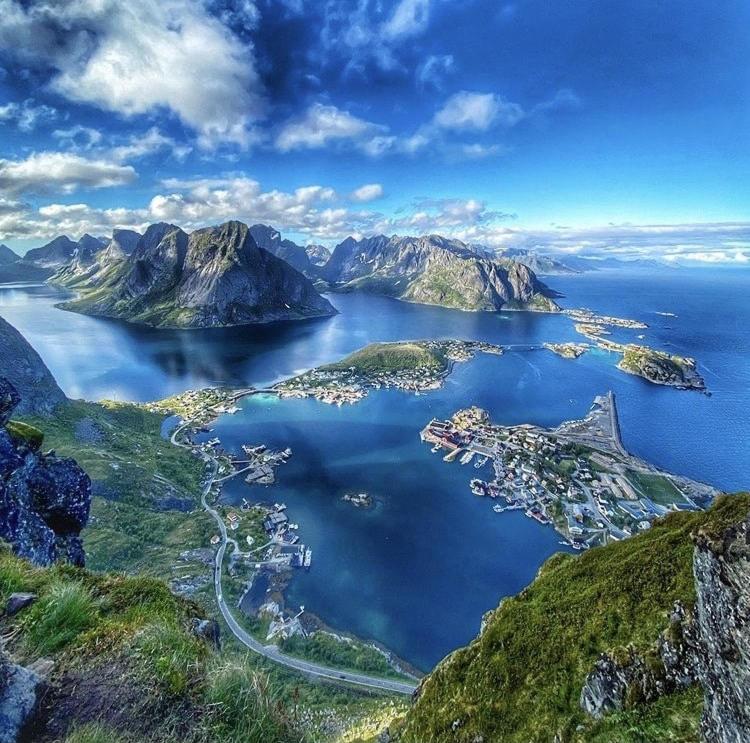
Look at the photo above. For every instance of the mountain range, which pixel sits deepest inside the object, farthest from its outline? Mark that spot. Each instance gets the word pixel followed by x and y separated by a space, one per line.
pixel 217 276
pixel 436 270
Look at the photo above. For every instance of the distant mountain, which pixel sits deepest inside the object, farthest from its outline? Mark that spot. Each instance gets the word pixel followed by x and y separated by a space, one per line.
pixel 270 239
pixel 53 254
pixel 217 276
pixel 94 255
pixel 23 366
pixel 540 263
pixel 435 270
pixel 7 256
pixel 318 254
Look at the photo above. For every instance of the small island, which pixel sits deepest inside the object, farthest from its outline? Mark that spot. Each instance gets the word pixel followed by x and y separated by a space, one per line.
pixel 660 367
pixel 567 350
pixel 359 500
pixel 415 366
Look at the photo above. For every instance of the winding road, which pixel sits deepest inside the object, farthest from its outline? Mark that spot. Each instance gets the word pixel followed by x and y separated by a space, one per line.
pixel 272 652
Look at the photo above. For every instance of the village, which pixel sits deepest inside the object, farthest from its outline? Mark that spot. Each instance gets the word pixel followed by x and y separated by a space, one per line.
pixel 417 366
pixel 577 477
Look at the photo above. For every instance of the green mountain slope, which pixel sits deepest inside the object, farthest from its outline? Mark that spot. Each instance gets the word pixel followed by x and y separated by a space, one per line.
pixel 521 679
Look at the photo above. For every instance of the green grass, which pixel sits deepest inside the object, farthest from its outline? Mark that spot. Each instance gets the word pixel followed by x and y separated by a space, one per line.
pixel 171 655
pixel 24 434
pixel 242 706
pixel 659 489
pixel 94 732
pixel 65 611
pixel 389 358
pixel 520 681
pixel 323 648
pixel 134 473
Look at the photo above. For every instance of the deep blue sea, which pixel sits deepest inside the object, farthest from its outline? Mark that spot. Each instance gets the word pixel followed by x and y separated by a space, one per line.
pixel 418 570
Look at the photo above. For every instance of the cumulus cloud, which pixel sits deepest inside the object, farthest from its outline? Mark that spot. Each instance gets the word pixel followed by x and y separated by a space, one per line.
pixel 50 172
pixel 142 56
pixel 477 111
pixel 142 145
pixel 321 125
pixel 78 137
pixel 368 192
pixel 27 114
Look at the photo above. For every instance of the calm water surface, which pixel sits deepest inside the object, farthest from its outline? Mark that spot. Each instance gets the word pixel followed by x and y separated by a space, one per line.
pixel 418 570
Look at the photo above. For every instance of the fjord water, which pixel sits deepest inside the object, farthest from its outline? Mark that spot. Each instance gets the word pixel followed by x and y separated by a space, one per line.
pixel 418 570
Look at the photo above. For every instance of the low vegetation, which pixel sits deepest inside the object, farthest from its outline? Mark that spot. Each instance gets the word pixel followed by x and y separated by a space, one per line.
pixel 127 660
pixel 390 357
pixel 145 489
pixel 521 679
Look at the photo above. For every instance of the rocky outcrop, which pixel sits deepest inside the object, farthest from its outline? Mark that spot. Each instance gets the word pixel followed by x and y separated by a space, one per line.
pixel 722 620
pixel 436 270
pixel 214 277
pixel 19 694
pixel 22 365
pixel 709 646
pixel 318 254
pixel 44 499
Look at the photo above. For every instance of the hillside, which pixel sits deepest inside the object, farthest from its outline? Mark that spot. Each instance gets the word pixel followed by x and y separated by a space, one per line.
pixel 523 678
pixel 23 366
pixel 213 277
pixel 435 270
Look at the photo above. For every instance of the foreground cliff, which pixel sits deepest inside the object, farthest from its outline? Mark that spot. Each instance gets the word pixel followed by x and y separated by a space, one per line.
pixel 44 499
pixel 217 276
pixel 436 270
pixel 643 640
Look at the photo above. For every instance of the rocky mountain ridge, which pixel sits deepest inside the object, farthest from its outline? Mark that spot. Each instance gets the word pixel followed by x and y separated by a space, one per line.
pixel 216 276
pixel 435 270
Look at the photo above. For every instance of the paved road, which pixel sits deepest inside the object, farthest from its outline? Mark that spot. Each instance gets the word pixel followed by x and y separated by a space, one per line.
pixel 271 651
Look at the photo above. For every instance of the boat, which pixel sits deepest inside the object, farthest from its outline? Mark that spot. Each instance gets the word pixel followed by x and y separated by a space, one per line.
pixel 497 508
pixel 307 560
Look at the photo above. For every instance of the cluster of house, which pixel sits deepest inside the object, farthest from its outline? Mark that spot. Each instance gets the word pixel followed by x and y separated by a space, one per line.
pixel 541 475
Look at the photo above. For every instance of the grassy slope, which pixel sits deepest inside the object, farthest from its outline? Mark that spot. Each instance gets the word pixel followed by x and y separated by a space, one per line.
pixel 126 660
pixel 521 679
pixel 390 357
pixel 134 473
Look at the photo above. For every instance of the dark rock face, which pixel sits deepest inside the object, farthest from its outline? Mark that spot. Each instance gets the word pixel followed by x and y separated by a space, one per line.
pixel 710 647
pixel 722 619
pixel 20 689
pixel 270 240
pixel 208 630
pixel 22 365
pixel 54 254
pixel 44 499
pixel 17 602
pixel 215 277
pixel 435 270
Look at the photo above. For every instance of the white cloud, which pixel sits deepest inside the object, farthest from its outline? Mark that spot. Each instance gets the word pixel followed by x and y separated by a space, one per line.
pixel 78 137
pixel 477 112
pixel 368 192
pixel 434 69
pixel 409 18
pixel 142 145
pixel 26 114
pixel 322 125
pixel 142 56
pixel 48 172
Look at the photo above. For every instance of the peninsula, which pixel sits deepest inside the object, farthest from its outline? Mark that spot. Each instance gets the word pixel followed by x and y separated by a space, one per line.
pixel 416 366
pixel 577 477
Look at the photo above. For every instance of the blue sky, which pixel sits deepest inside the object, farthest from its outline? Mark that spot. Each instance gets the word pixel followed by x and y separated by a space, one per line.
pixel 576 125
